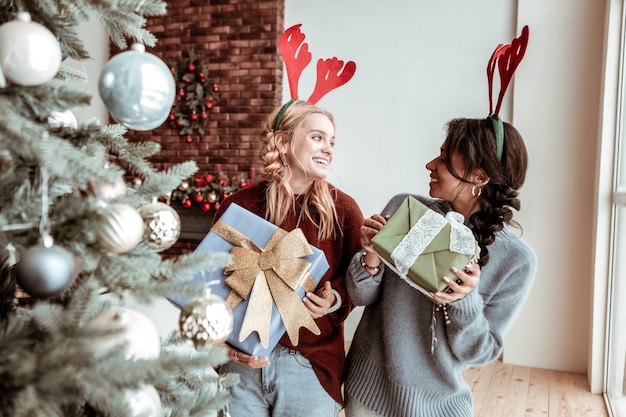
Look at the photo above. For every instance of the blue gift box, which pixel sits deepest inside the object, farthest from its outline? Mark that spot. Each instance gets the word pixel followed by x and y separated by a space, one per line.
pixel 250 234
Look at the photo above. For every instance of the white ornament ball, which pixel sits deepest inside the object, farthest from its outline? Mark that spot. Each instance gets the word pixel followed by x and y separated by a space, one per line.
pixel 137 88
pixel 161 224
pixel 120 229
pixel 45 271
pixel 29 53
pixel 133 328
pixel 144 402
pixel 205 321
pixel 62 119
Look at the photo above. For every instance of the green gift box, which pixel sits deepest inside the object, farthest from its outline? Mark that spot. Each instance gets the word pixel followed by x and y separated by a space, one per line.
pixel 421 245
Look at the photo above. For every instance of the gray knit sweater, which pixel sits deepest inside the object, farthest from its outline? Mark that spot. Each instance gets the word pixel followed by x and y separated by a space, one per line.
pixel 390 367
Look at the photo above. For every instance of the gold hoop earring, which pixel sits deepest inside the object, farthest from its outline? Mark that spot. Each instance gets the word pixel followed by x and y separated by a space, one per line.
pixel 474 193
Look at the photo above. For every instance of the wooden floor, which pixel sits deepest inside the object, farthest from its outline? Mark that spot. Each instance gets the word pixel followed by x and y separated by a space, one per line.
pixel 516 391
pixel 502 390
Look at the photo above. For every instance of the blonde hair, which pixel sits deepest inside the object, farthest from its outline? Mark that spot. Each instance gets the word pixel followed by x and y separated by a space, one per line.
pixel 280 196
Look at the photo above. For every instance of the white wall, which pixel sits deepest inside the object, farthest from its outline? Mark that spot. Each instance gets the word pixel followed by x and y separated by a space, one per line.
pixel 421 63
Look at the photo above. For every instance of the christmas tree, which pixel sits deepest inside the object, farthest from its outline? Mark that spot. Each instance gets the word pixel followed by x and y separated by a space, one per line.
pixel 82 231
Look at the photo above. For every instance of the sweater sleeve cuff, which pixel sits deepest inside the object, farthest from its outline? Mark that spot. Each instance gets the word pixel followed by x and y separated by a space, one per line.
pixel 360 274
pixel 337 304
pixel 471 305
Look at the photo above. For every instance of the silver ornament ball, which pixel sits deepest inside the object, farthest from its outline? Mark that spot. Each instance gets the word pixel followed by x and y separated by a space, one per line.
pixel 45 271
pixel 137 88
pixel 206 321
pixel 161 224
pixel 120 229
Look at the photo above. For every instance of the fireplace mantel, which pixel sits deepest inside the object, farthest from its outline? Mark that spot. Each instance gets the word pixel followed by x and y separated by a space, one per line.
pixel 194 223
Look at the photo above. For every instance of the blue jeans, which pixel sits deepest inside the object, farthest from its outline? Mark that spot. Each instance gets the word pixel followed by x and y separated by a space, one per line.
pixel 287 387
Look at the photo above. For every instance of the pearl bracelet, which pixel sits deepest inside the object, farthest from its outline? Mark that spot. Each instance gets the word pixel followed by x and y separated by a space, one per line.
pixel 371 269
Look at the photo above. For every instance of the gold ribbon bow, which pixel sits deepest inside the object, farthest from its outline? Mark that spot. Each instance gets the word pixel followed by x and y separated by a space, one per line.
pixel 261 275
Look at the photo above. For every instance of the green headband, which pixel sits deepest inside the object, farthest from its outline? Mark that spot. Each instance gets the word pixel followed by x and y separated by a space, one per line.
pixel 281 113
pixel 498 129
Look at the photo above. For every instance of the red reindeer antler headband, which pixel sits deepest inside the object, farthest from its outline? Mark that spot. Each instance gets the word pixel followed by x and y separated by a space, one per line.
pixel 506 58
pixel 331 72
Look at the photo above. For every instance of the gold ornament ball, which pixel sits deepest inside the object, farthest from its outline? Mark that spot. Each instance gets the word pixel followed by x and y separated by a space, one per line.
pixel 161 225
pixel 206 321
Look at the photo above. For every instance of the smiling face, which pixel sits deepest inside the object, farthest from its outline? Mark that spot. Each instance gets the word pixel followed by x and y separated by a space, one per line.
pixel 311 151
pixel 446 186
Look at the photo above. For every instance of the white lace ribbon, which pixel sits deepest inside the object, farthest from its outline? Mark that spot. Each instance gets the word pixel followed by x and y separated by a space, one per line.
pixel 424 231
pixel 461 237
pixel 415 241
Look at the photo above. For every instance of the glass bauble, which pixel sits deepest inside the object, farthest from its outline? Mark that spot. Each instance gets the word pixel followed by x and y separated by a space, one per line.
pixel 120 229
pixel 205 321
pixel 161 225
pixel 137 89
pixel 45 271
pixel 129 328
pixel 29 53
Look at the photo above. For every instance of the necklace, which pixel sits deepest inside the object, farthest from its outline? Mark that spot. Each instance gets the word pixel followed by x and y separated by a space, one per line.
pixel 300 215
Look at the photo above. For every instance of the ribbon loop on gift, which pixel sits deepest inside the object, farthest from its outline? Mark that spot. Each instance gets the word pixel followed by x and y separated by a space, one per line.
pixel 461 237
pixel 424 231
pixel 272 272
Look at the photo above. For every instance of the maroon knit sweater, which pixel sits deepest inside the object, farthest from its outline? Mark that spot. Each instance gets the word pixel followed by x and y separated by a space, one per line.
pixel 326 351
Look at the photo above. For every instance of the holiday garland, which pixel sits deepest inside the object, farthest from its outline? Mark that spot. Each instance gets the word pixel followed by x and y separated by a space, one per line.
pixel 208 190
pixel 193 102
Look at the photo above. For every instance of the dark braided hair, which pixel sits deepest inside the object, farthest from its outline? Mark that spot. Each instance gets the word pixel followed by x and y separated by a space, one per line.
pixel 474 140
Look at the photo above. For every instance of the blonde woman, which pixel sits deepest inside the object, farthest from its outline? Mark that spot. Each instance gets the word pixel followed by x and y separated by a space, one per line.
pixel 303 380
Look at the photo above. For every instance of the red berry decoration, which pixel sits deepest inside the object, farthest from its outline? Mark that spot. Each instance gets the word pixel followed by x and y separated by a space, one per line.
pixel 191 99
pixel 209 190
pixel 200 181
pixel 186 202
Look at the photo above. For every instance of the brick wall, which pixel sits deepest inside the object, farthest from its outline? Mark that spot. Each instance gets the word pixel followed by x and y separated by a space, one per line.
pixel 238 41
